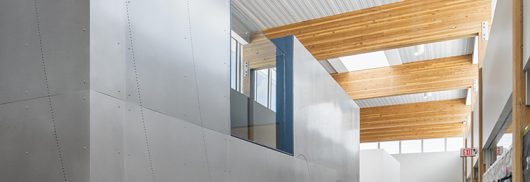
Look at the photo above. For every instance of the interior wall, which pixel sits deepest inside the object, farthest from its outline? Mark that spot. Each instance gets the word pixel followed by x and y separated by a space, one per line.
pixel 432 167
pixel 377 166
pixel 44 98
pixel 497 68
pixel 162 105
pixel 326 119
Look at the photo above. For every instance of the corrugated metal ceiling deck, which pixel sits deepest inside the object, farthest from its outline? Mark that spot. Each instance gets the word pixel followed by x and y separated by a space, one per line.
pixel 264 14
pixel 412 98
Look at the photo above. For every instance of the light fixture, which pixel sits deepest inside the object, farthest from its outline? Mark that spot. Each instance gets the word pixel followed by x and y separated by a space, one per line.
pixel 427 95
pixel 420 49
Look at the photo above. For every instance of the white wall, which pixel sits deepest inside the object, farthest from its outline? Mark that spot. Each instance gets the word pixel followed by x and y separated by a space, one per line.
pixel 497 70
pixel 378 166
pixel 430 167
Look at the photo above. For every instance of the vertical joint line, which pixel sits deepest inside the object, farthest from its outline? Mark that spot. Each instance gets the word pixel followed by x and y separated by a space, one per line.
pixel 48 92
pixel 197 90
pixel 137 80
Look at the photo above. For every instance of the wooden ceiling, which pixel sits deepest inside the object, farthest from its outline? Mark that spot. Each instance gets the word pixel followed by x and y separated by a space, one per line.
pixel 417 77
pixel 401 24
pixel 437 119
pixel 396 25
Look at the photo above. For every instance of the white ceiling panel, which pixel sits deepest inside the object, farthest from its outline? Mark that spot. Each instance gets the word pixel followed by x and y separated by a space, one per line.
pixel 456 47
pixel 413 98
pixel 264 14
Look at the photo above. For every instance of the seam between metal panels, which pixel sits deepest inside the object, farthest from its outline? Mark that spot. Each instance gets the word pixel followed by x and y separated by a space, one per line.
pixel 52 110
pixel 188 4
pixel 142 117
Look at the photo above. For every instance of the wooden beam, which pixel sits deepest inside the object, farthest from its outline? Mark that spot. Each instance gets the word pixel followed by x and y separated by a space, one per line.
pixel 260 52
pixel 414 121
pixel 418 77
pixel 520 112
pixel 395 25
pixel 412 137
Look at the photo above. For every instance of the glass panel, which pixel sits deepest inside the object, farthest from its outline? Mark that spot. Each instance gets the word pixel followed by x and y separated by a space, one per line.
pixel 262 86
pixel 273 89
pixel 368 146
pixel 233 64
pixel 455 143
pixel 390 147
pixel 253 97
pixel 434 145
pixel 410 146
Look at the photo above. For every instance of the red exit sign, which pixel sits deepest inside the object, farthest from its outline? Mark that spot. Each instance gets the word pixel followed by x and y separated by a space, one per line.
pixel 468 152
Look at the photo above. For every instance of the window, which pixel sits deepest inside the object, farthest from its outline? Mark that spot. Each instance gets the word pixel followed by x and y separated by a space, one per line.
pixel 434 145
pixel 390 147
pixel 265 87
pixel 253 104
pixel 410 146
pixel 369 146
pixel 454 144
pixel 237 66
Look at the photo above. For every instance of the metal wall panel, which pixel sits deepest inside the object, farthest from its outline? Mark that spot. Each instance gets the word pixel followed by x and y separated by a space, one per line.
pixel 497 77
pixel 64 26
pixel 44 68
pixel 72 127
pixel 108 33
pixel 161 58
pixel 211 56
pixel 106 139
pixel 136 162
pixel 29 151
pixel 325 121
pixel 176 114
pixel 20 59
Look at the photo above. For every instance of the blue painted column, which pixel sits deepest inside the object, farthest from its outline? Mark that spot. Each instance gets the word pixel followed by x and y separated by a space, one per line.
pixel 284 94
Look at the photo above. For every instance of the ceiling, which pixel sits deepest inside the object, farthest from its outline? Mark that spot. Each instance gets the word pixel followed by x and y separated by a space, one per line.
pixel 413 98
pixel 408 64
pixel 265 14
pixel 422 52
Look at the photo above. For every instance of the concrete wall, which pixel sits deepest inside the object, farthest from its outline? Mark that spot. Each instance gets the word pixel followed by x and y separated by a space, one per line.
pixel 497 69
pixel 378 166
pixel 432 167
pixel 44 98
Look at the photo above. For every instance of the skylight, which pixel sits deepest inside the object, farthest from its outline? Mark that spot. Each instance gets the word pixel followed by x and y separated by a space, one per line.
pixel 365 61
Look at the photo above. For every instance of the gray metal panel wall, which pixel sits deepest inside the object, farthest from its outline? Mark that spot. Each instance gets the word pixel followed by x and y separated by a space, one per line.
pixel 44 99
pixel 326 120
pixel 497 69
pixel 152 103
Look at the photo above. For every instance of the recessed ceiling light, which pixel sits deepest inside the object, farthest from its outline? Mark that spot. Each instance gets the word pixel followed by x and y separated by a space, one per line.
pixel 427 95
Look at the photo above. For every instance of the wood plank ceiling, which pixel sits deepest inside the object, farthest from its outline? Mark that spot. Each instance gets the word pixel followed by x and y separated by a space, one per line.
pixel 437 119
pixel 401 24
pixel 418 77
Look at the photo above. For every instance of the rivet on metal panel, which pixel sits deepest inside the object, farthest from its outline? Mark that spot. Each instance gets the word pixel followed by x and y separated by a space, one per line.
pixel 118 43
pixel 83 29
